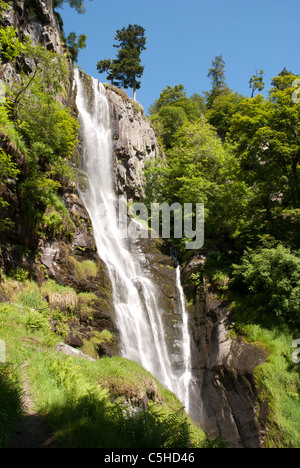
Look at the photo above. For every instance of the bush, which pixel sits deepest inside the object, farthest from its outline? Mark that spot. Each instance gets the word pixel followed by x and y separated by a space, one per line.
pixel 271 277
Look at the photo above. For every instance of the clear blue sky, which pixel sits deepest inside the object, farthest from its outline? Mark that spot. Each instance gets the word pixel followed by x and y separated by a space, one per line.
pixel 184 36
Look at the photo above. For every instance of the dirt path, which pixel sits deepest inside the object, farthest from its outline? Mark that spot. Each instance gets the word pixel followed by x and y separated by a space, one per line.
pixel 32 431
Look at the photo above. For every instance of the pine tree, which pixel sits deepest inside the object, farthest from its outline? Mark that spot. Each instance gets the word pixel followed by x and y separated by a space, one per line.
pixel 218 81
pixel 126 69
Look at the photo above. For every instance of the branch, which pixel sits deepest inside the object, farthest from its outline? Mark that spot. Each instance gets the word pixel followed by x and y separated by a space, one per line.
pixel 26 87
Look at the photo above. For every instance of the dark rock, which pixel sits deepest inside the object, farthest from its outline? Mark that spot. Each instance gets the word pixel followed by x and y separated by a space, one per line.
pixel 225 393
pixel 74 341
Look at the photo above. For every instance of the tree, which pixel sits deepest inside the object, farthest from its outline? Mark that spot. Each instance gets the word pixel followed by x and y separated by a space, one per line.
pixel 77 4
pixel 270 277
pixel 224 107
pixel 266 137
pixel 75 44
pixel 277 83
pixel 105 66
pixel 257 82
pixel 217 75
pixel 198 169
pixel 170 111
pixel 200 101
pixel 126 69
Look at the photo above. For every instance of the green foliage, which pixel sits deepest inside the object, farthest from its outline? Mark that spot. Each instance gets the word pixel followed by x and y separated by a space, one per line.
pixel 77 4
pixel 265 139
pixel 271 277
pixel 200 170
pixel 8 170
pixel 10 46
pixel 19 274
pixel 34 119
pixel 56 221
pixel 220 114
pixel 126 69
pixel 168 97
pixel 35 321
pixel 75 44
pixel 256 82
pixel 170 112
pixel 218 81
pixel 84 269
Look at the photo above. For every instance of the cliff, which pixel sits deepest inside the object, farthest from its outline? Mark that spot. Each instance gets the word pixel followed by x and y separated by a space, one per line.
pixel 37 20
pixel 134 143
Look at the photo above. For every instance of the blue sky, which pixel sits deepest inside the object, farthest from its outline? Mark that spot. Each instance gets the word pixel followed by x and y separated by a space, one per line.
pixel 184 36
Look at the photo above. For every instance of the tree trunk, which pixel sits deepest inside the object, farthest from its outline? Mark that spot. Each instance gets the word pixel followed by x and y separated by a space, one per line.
pixel 134 92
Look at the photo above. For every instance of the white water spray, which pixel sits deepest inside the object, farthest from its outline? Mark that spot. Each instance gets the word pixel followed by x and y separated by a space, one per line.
pixel 138 315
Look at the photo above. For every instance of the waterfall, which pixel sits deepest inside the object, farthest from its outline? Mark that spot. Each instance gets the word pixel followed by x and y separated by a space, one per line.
pixel 139 317
pixel 186 378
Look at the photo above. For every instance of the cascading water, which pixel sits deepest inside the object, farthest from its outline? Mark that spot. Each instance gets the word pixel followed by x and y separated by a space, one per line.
pixel 186 378
pixel 138 315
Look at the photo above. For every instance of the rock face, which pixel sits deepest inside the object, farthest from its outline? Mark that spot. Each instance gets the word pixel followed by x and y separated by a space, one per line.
pixel 225 389
pixel 134 143
pixel 36 19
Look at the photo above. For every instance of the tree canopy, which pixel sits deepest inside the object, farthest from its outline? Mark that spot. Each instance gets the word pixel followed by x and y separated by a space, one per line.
pixel 218 81
pixel 126 69
pixel 77 4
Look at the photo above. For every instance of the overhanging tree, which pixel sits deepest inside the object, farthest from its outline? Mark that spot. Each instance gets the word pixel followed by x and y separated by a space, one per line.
pixel 126 69
pixel 77 4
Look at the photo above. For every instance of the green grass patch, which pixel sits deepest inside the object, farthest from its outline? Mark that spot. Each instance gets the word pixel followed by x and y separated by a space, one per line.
pixel 110 403
pixel 278 378
pixel 85 269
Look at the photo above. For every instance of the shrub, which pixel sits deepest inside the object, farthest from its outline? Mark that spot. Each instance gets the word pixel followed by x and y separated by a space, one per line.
pixel 85 269
pixel 271 277
pixel 35 321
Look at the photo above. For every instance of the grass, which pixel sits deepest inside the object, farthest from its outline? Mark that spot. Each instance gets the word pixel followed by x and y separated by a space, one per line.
pixel 85 269
pixel 78 397
pixel 59 296
pixel 278 378
pixel 110 403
